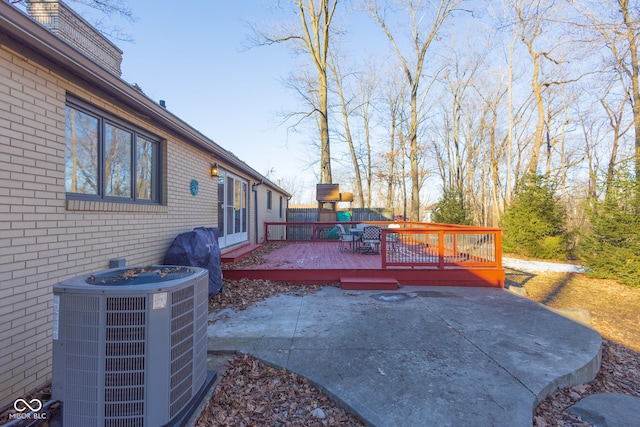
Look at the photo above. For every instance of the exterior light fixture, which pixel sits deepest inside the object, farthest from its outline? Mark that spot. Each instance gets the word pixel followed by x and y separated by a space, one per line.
pixel 214 170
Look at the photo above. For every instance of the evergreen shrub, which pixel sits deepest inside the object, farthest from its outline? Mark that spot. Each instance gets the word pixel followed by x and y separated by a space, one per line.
pixel 610 248
pixel 452 209
pixel 535 222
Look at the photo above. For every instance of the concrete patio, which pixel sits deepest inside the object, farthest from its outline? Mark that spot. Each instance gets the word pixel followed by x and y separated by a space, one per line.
pixel 419 356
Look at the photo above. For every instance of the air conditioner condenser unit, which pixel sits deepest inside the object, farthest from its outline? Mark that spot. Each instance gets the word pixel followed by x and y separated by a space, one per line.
pixel 129 345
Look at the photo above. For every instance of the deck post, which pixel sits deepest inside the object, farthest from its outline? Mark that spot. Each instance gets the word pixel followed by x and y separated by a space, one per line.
pixel 455 244
pixel 441 249
pixel 383 248
pixel 498 249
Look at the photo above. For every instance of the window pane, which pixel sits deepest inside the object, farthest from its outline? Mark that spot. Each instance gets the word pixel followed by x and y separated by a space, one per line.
pixel 230 220
pixel 146 174
pixel 230 209
pixel 237 206
pixel 81 152
pixel 117 162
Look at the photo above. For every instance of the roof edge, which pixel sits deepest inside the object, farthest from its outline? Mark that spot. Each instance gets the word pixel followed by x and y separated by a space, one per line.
pixel 31 33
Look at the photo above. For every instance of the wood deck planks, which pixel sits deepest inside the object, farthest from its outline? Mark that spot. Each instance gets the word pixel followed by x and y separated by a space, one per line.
pixel 323 255
pixel 323 263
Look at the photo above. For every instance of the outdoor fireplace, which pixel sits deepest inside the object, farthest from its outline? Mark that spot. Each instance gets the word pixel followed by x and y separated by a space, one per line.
pixel 328 196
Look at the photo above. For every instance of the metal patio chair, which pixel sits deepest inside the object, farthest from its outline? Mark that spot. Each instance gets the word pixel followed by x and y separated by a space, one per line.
pixel 347 240
pixel 371 239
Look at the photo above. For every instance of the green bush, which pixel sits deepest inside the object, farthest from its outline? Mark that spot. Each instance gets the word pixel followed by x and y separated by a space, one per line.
pixel 534 223
pixel 611 246
pixel 452 209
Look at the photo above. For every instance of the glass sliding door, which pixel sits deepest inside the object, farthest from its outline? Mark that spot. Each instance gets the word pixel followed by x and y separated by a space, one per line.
pixel 233 213
pixel 221 229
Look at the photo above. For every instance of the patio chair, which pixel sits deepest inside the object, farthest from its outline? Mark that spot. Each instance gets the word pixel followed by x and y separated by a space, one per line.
pixel 371 239
pixel 347 240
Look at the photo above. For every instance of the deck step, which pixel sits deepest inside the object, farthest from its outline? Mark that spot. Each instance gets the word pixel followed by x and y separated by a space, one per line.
pixel 368 284
pixel 239 253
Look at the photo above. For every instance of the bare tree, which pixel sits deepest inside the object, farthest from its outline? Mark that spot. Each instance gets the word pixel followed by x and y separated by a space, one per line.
pixel 621 35
pixel 495 154
pixel 347 108
pixel 366 91
pixel 424 17
pixel 313 37
pixel 460 75
pixel 531 21
pixel 540 32
pixel 615 116
pixel 631 37
pixel 394 100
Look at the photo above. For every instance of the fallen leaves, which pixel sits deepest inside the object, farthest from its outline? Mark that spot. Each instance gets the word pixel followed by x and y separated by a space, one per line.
pixel 252 393
pixel 256 257
pixel 240 294
pixel 619 373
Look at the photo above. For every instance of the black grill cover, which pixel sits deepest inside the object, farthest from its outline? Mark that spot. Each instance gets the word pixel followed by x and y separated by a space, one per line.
pixel 198 248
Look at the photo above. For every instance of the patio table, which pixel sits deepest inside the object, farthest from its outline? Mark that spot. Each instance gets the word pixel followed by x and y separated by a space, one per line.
pixel 357 233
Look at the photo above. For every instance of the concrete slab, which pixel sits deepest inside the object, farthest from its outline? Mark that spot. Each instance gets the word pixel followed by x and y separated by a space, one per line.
pixel 609 410
pixel 445 356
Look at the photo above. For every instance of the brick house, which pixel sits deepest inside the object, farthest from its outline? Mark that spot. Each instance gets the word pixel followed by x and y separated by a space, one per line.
pixel 92 170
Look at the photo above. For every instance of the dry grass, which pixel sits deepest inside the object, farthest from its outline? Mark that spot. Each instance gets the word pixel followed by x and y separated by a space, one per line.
pixel 614 308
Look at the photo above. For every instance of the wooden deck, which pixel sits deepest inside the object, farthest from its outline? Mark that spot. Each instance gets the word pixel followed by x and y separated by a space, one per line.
pixel 238 253
pixel 321 262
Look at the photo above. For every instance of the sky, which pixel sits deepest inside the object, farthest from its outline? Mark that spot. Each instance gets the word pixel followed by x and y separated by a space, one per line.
pixel 194 56
pixel 195 59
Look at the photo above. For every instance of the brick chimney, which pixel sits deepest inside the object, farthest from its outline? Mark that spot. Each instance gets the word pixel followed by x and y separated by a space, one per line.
pixel 61 20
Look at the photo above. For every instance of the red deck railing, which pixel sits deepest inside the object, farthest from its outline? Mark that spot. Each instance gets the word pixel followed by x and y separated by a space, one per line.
pixel 410 244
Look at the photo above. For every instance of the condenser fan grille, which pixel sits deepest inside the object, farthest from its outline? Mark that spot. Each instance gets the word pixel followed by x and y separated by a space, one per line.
pixel 82 356
pixel 182 329
pixel 139 276
pixel 125 361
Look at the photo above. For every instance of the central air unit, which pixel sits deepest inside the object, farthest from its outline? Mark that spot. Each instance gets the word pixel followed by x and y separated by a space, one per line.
pixel 129 345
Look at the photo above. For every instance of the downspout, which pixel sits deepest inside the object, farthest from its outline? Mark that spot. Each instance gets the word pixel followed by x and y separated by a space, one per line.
pixel 254 188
